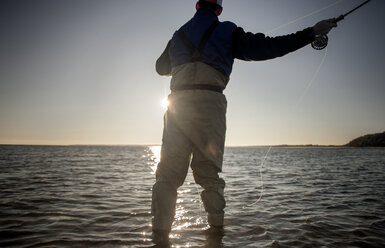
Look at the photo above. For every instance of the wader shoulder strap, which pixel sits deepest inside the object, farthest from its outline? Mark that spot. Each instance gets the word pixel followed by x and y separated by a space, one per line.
pixel 196 52
pixel 196 56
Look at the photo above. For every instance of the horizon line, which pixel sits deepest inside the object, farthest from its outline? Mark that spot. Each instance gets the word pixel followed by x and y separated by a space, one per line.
pixel 226 146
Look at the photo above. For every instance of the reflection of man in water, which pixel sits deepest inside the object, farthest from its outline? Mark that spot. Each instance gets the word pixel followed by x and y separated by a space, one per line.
pixel 199 57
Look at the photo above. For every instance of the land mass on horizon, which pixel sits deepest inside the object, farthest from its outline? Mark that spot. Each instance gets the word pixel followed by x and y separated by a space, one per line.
pixel 369 140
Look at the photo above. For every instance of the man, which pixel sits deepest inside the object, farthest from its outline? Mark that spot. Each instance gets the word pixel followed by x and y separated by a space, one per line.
pixel 199 57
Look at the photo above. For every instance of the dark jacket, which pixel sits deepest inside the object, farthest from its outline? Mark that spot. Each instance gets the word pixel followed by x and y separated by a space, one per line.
pixel 226 43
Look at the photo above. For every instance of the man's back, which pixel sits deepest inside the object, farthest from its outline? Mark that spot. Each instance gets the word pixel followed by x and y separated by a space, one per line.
pixel 218 48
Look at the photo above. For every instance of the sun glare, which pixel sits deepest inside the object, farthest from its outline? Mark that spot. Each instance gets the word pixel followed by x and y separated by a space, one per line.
pixel 165 103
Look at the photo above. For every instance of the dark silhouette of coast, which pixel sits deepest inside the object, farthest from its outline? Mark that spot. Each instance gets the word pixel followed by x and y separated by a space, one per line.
pixel 369 140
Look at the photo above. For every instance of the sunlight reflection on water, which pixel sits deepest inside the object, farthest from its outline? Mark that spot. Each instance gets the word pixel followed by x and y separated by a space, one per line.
pixel 155 157
pixel 183 218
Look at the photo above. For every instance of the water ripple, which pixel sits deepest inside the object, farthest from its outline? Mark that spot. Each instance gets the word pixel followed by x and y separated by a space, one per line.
pixel 100 196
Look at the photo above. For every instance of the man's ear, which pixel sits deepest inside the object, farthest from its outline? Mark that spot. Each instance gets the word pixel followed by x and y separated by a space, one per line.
pixel 197 6
pixel 220 12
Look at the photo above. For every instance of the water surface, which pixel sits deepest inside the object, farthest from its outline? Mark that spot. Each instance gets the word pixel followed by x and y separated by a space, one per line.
pixel 100 196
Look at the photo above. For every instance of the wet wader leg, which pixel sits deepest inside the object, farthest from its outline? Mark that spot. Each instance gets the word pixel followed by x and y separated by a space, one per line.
pixel 170 174
pixel 208 138
pixel 205 173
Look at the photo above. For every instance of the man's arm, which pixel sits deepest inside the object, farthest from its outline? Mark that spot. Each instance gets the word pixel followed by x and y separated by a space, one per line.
pixel 163 63
pixel 249 46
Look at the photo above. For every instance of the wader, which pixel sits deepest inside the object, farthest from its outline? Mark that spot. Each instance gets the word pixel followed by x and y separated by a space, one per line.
pixel 193 135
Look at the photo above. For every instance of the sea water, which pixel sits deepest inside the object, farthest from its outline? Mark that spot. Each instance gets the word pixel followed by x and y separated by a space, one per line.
pixel 100 196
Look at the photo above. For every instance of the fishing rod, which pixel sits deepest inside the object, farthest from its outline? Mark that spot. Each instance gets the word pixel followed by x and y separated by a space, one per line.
pixel 321 41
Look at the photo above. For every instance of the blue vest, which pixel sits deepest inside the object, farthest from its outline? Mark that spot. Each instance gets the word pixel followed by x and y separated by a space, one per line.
pixel 218 51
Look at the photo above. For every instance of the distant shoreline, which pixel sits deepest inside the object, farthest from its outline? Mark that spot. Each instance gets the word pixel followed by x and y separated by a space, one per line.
pixel 303 146
pixel 230 146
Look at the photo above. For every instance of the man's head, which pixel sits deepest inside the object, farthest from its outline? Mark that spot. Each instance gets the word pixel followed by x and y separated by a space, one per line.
pixel 213 5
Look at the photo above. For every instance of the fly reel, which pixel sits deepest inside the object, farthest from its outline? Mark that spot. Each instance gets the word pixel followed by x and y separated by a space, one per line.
pixel 320 42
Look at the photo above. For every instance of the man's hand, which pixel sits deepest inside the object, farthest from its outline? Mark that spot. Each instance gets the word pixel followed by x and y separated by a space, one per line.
pixel 323 27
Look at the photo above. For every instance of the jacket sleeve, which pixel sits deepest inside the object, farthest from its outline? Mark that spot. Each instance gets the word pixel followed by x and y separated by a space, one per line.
pixel 163 63
pixel 249 46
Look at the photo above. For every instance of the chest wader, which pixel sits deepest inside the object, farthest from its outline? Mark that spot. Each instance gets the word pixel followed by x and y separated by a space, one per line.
pixel 193 135
pixel 196 55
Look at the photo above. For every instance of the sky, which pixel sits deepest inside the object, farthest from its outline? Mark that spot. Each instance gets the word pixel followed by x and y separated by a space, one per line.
pixel 83 72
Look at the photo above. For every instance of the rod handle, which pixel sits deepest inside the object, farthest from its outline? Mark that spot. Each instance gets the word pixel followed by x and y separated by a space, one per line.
pixel 340 18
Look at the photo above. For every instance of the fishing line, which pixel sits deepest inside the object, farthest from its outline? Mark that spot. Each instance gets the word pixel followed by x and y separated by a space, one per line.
pixel 305 16
pixel 260 174
pixel 320 43
pixel 304 92
pixel 308 86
